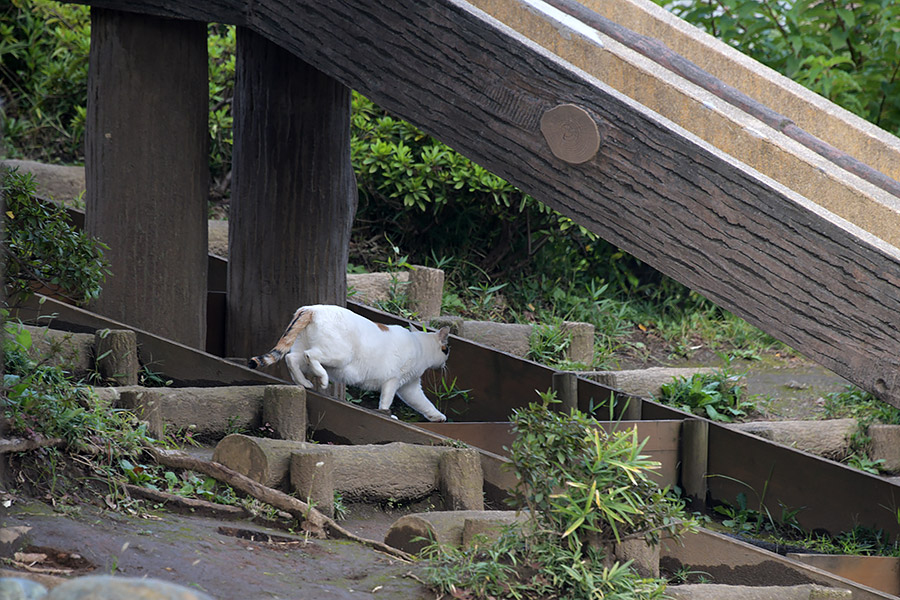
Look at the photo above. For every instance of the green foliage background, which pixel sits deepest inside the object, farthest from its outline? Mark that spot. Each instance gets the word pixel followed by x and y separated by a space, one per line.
pixel 847 52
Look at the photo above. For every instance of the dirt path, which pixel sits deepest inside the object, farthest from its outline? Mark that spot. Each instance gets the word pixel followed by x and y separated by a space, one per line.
pixel 229 560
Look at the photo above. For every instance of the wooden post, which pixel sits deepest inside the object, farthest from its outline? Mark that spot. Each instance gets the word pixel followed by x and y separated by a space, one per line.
pixel 312 478
pixel 565 384
pixel 116 356
pixel 461 479
pixel 146 168
pixel 632 407
pixel 694 459
pixel 284 410
pixel 293 193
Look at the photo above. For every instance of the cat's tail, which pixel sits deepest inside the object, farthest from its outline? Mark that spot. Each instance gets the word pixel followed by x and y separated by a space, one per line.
pixel 301 320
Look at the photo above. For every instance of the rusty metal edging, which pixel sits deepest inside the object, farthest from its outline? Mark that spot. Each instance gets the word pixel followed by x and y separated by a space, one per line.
pixel 181 363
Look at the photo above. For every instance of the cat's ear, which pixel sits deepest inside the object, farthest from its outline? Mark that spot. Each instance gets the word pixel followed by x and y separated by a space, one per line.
pixel 444 334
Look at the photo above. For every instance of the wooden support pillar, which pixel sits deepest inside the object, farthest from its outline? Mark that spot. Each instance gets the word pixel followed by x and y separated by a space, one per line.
pixel 146 167
pixel 293 193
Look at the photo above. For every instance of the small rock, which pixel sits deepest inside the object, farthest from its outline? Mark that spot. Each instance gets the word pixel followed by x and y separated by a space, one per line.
pixel 105 587
pixel 796 385
pixel 15 588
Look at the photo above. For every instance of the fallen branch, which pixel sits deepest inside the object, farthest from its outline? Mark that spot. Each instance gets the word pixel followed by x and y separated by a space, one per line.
pixel 313 521
pixel 29 566
pixel 193 505
pixel 20 445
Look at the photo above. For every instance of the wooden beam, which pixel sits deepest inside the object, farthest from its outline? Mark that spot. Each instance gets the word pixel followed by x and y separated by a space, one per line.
pixel 814 113
pixel 741 127
pixel 146 168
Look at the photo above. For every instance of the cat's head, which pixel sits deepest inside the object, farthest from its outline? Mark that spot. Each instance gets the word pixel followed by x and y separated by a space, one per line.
pixel 444 339
pixel 439 347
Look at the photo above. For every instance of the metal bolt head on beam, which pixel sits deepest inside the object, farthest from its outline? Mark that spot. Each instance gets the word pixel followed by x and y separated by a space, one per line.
pixel 571 133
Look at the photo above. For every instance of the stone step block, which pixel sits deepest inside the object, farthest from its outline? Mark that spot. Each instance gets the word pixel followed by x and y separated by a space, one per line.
pixel 110 354
pixel 643 383
pixel 411 533
pixel 396 471
pixel 422 286
pixel 827 438
pixel 515 338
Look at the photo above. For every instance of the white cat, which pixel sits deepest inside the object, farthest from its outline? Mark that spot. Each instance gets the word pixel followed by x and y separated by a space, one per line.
pixel 330 343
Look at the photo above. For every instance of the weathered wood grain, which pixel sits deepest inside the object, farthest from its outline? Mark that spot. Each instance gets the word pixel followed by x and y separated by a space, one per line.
pixel 801 274
pixel 293 193
pixel 146 169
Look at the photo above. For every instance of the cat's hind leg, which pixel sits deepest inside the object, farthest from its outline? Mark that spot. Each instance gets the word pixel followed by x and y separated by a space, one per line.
pixel 412 394
pixel 294 362
pixel 314 357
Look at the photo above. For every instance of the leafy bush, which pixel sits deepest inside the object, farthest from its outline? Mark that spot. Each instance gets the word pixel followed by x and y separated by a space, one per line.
pixel 847 52
pixel 40 245
pixel 584 490
pixel 41 401
pixel 852 402
pixel 716 395
pixel 576 478
pixel 43 78
pixel 435 203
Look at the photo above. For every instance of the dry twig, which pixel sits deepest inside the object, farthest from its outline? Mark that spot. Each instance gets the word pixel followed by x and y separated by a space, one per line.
pixel 313 521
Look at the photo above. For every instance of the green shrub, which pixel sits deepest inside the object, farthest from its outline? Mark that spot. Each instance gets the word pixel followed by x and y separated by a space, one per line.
pixel 584 490
pixel 432 202
pixel 575 478
pixel 42 401
pixel 43 78
pixel 717 396
pixel 41 246
pixel 854 403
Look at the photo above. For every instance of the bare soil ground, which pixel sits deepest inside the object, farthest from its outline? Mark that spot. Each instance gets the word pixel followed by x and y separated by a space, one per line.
pixel 228 560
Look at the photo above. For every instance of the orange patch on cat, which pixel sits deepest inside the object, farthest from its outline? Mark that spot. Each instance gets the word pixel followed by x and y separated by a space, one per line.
pixel 382 326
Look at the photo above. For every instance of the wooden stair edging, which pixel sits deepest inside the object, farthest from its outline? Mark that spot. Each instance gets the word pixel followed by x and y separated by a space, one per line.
pixel 183 364
pixel 331 419
pixel 879 572
pixel 781 262
pixel 831 496
pixel 733 456
pixel 732 561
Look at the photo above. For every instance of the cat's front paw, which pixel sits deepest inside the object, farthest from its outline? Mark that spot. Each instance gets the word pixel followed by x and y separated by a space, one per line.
pixel 437 418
